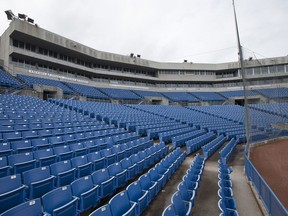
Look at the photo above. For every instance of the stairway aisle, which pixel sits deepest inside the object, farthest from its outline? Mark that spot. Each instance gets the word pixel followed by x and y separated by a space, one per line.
pixel 163 198
pixel 206 202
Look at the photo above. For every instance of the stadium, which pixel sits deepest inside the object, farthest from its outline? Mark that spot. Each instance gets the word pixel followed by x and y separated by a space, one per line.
pixel 87 132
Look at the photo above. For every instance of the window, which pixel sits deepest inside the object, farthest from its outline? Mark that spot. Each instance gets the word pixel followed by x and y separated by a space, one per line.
pixel 249 71
pixel 273 69
pixel 264 70
pixel 21 44
pixel 280 69
pixel 257 71
pixel 15 43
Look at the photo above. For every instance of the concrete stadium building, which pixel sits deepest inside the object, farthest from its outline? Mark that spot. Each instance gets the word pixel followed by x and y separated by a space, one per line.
pixel 63 103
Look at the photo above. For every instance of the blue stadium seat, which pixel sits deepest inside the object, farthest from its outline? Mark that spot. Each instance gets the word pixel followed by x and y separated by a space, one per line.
pixel 22 162
pixel 156 177
pixel 186 194
pixel 31 208
pixel 131 168
pixel 5 149
pixel 56 141
pixel 60 201
pixel 30 134
pixel 45 133
pixel 12 192
pixel 120 174
pixel 63 153
pixel 69 138
pixel 121 205
pixel 107 184
pixel 21 146
pixel 82 165
pixel 9 136
pixel 181 206
pixel 4 168
pixel 139 196
pixel 45 157
pixel 91 146
pixel 41 143
pixel 148 185
pixel 190 185
pixel 102 211
pixel 162 171
pixel 225 192
pixel 87 193
pixel 109 155
pixel 121 154
pixel 80 137
pixel 140 163
pixel 169 211
pixel 227 207
pixel 78 149
pixel 6 128
pixel 38 182
pixel 98 162
pixel 63 172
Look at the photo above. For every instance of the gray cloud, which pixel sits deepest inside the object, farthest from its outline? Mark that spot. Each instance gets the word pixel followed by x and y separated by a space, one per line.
pixel 164 30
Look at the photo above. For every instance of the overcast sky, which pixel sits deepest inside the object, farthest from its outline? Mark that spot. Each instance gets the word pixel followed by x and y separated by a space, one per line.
pixel 164 30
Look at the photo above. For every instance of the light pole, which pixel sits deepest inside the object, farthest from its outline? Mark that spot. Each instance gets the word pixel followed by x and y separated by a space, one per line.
pixel 242 72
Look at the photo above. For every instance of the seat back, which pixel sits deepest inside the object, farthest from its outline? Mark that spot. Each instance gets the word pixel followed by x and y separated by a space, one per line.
pixel 60 167
pixel 78 161
pixel 114 169
pixel 32 207
pixel 56 199
pixel 169 211
pixel 102 211
pixel 134 191
pixel 35 175
pixel 120 204
pixel 12 192
pixel 179 205
pixel 100 176
pixel 20 158
pixel 81 185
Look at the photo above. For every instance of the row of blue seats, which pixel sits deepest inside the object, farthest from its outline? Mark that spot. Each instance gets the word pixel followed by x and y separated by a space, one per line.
pixel 183 199
pixel 139 194
pixel 33 144
pixel 89 189
pixel 166 137
pixel 11 125
pixel 19 163
pixel 226 152
pixel 143 130
pixel 226 204
pixel 212 146
pixel 7 80
pixel 179 140
pixel 194 144
pixel 132 125
pixel 154 133
pixel 98 131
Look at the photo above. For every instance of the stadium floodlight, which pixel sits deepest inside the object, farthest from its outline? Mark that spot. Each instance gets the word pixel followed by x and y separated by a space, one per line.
pixel 30 20
pixel 22 16
pixel 10 14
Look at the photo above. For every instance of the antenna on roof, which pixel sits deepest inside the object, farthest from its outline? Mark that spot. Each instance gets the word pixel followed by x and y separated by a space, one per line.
pixel 242 72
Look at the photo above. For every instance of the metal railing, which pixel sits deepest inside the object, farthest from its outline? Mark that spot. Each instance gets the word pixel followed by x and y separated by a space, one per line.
pixel 272 204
